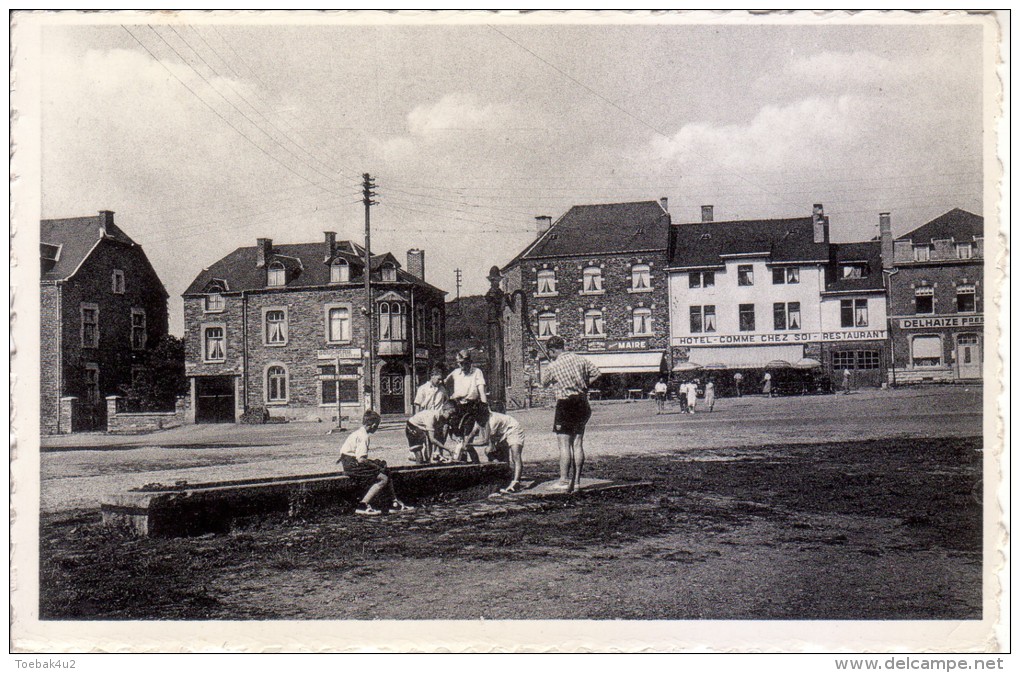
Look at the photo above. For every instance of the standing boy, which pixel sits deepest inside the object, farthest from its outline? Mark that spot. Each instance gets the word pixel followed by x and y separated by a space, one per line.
pixel 571 375
pixel 431 394
pixel 357 466
pixel 467 391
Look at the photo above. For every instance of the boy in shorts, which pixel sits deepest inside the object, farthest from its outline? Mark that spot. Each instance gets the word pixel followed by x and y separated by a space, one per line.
pixel 425 432
pixel 506 438
pixel 356 464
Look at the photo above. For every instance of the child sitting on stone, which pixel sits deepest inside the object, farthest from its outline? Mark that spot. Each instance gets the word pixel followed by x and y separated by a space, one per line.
pixel 360 468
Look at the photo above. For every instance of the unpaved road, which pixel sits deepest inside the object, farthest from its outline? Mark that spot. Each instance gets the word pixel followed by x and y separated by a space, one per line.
pixel 884 529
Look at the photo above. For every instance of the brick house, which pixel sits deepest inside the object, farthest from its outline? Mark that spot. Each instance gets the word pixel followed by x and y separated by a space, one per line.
pixel 751 295
pixel 596 277
pixel 102 307
pixel 283 327
pixel 936 298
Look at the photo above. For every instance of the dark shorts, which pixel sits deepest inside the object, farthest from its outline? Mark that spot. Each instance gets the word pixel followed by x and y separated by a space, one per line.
pixel 572 415
pixel 367 471
pixel 416 437
pixel 463 419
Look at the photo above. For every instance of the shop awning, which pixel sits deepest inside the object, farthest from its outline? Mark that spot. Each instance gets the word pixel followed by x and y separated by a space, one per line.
pixel 746 356
pixel 625 363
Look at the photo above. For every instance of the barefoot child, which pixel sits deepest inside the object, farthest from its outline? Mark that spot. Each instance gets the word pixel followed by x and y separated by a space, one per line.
pixel 425 432
pixel 357 466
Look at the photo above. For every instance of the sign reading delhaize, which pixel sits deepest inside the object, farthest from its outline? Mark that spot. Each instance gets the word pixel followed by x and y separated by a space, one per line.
pixel 341 353
pixel 779 338
pixel 943 321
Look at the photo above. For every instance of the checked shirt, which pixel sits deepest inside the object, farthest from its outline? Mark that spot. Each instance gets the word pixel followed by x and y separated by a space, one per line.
pixel 571 375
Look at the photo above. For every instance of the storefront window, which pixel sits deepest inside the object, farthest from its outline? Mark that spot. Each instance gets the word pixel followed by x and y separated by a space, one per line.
pixel 926 351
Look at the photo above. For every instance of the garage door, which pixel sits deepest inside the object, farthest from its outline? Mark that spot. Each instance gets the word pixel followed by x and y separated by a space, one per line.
pixel 214 399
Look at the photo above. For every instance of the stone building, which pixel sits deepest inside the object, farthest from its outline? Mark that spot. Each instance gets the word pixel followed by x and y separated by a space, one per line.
pixel 936 298
pixel 762 295
pixel 102 308
pixel 597 278
pixel 283 327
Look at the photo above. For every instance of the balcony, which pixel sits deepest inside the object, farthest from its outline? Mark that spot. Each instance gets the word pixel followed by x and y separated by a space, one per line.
pixel 392 347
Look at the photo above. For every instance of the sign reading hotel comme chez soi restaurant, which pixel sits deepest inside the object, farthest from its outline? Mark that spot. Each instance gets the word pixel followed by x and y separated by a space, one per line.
pixel 785 337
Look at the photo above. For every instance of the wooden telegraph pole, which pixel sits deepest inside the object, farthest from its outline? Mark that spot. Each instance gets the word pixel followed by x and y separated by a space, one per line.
pixel 369 379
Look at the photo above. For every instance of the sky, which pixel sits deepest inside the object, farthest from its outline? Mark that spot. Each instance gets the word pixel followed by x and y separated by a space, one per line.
pixel 204 137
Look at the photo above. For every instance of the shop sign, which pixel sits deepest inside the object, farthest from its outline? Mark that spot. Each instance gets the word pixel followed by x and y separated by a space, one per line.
pixel 339 353
pixel 778 338
pixel 596 345
pixel 628 345
pixel 940 321
pixel 421 353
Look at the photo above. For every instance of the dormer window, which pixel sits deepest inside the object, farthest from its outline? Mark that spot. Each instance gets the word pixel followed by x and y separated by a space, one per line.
pixel 339 271
pixel 215 303
pixel 922 253
pixel 389 272
pixel 854 271
pixel 277 276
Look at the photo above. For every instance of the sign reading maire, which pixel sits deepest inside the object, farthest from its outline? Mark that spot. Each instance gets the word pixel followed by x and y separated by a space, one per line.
pixel 779 338
pixel 943 321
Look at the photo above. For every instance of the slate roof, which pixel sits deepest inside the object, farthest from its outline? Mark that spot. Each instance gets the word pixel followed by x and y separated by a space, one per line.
pixel 956 224
pixel 869 252
pixel 75 237
pixel 307 264
pixel 603 229
pixel 705 243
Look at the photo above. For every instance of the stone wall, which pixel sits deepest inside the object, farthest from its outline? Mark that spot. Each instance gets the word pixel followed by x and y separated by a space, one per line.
pixel 141 422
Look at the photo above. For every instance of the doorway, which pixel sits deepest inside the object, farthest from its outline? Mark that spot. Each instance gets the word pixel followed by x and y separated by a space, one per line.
pixel 391 389
pixel 968 356
pixel 214 399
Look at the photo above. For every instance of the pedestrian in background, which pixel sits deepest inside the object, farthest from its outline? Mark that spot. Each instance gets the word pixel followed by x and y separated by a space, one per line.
pixel 710 394
pixel 766 388
pixel 660 396
pixel 692 396
pixel 738 378
pixel 846 381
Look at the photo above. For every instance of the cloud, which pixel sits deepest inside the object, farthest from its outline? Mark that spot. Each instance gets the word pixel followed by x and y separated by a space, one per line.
pixel 776 137
pixel 458 112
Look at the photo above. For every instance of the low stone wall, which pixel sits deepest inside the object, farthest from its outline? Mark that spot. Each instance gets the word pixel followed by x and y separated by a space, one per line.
pixel 903 377
pixel 197 509
pixel 118 422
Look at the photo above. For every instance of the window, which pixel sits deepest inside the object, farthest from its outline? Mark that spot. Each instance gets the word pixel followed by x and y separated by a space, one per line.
pixel 842 360
pixel 215 303
pixel 138 334
pixel 641 321
pixel 854 270
pixel 339 271
pixel 276 384
pixel 546 282
pixel 389 272
pixel 745 275
pixel 338 324
pixel 277 276
pixel 89 326
pixel 92 394
pixel 966 299
pixel 926 351
pixel 746 317
pixel 591 280
pixel 547 325
pixel 419 325
pixel 964 250
pixel 392 321
pixel 215 344
pixel 701 279
pixel 785 275
pixel 922 253
pixel 853 312
pixel 437 327
pixel 702 319
pixel 118 281
pixel 924 299
pixel 640 278
pixel 855 360
pixel 786 316
pixel 593 326
pixel 275 321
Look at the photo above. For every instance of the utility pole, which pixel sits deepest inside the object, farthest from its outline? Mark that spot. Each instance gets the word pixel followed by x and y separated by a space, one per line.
pixel 457 274
pixel 369 378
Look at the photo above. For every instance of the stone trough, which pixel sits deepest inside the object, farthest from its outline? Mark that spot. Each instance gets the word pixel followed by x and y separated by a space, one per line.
pixel 185 509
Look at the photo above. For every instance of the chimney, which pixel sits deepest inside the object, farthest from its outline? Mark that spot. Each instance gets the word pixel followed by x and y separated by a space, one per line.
pixel 263 249
pixel 105 221
pixel 543 222
pixel 330 242
pixel 416 263
pixel 885 234
pixel 707 213
pixel 664 202
pixel 820 223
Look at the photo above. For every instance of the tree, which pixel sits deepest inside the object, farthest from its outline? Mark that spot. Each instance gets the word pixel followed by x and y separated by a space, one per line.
pixel 157 387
